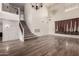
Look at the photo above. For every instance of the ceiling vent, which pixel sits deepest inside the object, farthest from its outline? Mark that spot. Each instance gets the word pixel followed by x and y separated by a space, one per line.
pixel 37 30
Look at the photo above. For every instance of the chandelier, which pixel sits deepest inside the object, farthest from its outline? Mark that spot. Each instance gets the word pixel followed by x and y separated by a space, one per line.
pixel 37 5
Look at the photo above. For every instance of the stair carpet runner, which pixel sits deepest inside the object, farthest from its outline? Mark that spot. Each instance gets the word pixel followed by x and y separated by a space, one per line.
pixel 27 33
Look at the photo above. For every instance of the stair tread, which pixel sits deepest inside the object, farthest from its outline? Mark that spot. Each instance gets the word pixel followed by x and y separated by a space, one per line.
pixel 29 37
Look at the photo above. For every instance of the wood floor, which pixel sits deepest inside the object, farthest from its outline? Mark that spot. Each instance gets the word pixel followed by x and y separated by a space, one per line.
pixel 41 46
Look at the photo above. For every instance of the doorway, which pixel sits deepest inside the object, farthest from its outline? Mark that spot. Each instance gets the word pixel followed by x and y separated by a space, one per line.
pixel 1 30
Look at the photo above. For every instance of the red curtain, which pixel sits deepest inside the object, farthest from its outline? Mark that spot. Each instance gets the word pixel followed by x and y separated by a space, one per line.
pixel 62 25
pixel 73 24
pixel 55 26
pixel 69 24
pixel 77 25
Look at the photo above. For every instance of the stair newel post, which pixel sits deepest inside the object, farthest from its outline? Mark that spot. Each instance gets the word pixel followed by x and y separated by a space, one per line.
pixel 19 14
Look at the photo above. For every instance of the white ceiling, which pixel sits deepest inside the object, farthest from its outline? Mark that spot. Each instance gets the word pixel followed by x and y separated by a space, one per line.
pixel 48 5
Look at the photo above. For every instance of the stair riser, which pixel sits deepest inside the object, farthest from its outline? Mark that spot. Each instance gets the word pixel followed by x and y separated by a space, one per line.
pixel 28 36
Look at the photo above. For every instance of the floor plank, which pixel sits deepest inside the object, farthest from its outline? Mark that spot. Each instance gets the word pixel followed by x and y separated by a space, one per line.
pixel 41 46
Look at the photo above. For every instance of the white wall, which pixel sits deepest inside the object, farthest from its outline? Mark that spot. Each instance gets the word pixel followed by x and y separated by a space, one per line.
pixel 0 6
pixel 10 16
pixel 36 19
pixel 0 25
pixel 10 30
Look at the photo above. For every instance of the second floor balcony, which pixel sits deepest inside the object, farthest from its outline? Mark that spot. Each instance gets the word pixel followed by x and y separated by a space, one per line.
pixel 9 12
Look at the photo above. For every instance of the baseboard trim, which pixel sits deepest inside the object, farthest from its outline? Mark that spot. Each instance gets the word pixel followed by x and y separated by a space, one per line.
pixel 65 35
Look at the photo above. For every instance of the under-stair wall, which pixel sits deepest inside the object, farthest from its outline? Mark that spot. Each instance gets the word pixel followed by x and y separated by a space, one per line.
pixel 10 30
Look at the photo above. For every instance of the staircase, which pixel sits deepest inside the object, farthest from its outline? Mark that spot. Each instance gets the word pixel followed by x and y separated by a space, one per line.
pixel 27 33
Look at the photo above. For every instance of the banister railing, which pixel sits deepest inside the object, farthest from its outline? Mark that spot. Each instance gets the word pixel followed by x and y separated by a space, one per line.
pixel 9 8
pixel 20 24
pixel 21 27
